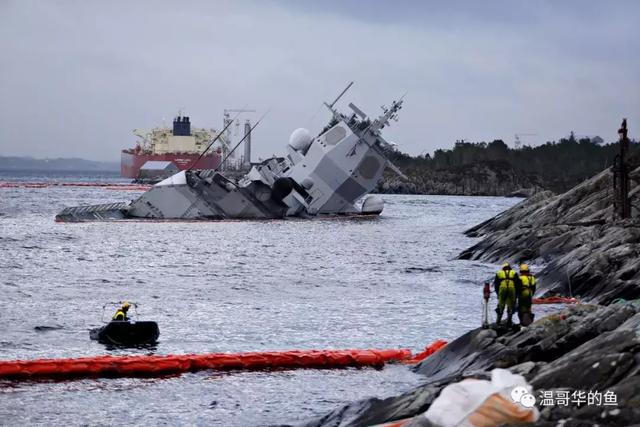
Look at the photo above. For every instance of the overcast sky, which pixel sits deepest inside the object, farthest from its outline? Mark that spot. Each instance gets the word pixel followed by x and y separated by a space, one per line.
pixel 76 77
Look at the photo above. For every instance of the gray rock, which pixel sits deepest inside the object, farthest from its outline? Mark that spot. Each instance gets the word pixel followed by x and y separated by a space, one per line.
pixel 587 253
pixel 470 180
pixel 584 347
pixel 375 411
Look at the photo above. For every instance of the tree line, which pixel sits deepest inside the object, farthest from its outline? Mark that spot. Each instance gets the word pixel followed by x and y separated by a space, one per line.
pixel 556 166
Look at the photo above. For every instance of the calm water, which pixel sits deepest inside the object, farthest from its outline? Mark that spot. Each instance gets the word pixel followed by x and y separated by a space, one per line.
pixel 229 286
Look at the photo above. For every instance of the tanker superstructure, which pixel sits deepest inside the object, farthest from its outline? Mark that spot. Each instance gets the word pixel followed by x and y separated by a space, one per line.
pixel 330 174
pixel 180 145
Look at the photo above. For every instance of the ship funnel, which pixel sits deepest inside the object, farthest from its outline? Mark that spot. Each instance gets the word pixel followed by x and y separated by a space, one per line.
pixel 181 126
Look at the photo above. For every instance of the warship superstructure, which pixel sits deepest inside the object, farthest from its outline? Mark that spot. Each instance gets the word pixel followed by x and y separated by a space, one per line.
pixel 323 175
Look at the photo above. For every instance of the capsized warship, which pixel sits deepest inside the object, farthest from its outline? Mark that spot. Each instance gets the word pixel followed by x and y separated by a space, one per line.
pixel 331 174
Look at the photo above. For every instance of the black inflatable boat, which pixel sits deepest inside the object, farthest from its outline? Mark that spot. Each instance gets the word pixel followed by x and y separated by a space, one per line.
pixel 118 332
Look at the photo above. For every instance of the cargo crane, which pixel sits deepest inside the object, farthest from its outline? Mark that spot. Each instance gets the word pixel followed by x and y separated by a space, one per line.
pixel 227 142
pixel 517 143
pixel 143 134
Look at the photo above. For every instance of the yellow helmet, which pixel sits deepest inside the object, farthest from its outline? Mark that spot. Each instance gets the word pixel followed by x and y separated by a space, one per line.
pixel 125 305
pixel 524 267
pixel 506 265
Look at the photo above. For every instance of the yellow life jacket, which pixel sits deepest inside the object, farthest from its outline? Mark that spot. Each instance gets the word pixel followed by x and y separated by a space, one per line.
pixel 120 315
pixel 506 280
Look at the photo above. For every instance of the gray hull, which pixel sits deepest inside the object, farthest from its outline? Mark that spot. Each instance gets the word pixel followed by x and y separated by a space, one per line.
pixel 206 195
pixel 104 212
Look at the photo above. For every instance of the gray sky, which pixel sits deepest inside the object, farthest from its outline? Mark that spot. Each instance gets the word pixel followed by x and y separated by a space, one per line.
pixel 76 77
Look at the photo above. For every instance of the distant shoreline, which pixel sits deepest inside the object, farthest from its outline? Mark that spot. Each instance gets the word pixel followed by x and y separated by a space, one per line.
pixel 55 171
pixel 16 163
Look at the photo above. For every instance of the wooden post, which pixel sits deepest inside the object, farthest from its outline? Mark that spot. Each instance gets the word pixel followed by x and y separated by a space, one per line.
pixel 621 201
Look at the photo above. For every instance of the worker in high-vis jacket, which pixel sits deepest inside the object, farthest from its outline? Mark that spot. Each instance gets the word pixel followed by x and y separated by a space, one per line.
pixel 507 287
pixel 121 314
pixel 528 284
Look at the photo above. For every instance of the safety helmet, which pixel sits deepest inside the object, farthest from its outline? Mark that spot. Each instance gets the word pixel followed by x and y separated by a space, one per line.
pixel 506 265
pixel 125 305
pixel 524 267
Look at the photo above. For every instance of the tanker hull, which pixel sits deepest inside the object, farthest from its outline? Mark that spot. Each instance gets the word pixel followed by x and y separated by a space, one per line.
pixel 131 162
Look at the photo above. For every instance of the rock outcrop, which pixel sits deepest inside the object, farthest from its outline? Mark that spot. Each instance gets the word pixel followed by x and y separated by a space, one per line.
pixel 586 252
pixel 583 348
pixel 484 179
pixel 494 169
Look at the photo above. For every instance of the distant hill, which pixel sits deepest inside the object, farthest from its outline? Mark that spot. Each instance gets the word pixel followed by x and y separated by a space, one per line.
pixel 494 169
pixel 59 164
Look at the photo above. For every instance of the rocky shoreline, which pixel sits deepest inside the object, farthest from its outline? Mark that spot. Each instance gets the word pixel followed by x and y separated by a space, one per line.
pixel 583 348
pixel 470 180
pixel 589 347
pixel 586 253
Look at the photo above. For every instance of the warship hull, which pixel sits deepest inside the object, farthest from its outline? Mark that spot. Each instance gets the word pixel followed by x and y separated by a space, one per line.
pixel 207 195
pixel 329 174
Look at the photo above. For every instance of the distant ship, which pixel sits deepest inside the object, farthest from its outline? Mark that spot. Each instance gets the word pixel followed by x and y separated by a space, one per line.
pixel 170 150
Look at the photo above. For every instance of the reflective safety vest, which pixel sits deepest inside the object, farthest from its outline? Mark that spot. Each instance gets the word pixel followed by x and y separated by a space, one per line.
pixel 506 278
pixel 528 281
pixel 119 315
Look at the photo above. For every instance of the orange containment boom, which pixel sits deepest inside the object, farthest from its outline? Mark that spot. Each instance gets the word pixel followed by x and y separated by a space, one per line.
pixel 150 366
pixel 555 300
pixel 428 351
pixel 105 185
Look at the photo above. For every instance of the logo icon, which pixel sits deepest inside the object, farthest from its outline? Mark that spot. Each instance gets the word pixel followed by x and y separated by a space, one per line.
pixel 522 396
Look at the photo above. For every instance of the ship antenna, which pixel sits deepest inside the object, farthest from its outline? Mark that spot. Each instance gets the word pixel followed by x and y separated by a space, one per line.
pixel 330 106
pixel 243 138
pixel 215 139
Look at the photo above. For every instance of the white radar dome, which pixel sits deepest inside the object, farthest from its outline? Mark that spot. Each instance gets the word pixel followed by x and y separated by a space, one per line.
pixel 300 139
